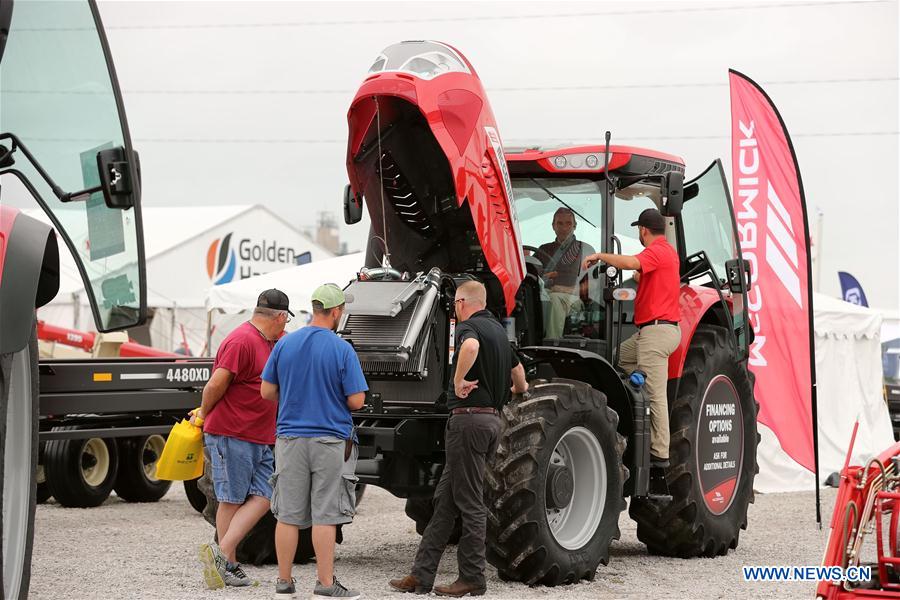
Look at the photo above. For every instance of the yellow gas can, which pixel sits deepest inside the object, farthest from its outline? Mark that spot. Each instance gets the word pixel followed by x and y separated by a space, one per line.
pixel 182 457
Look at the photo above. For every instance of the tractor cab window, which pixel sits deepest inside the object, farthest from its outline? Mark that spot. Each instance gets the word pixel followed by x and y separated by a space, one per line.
pixel 59 98
pixel 560 223
pixel 707 220
pixel 630 203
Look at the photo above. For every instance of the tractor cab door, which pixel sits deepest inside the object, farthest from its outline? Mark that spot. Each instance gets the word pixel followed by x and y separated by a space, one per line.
pixel 709 247
pixel 64 142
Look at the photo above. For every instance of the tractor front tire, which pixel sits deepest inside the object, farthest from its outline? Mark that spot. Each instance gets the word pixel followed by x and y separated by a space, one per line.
pixel 712 454
pixel 555 485
pixel 195 497
pixel 258 546
pixel 421 510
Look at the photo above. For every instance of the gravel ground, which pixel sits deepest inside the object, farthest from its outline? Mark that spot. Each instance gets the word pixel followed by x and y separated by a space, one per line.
pixel 122 550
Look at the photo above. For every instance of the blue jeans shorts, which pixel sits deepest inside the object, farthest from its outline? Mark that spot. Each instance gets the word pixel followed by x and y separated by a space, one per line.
pixel 239 469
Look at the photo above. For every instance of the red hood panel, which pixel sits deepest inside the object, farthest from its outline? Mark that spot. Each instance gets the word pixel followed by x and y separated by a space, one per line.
pixel 459 153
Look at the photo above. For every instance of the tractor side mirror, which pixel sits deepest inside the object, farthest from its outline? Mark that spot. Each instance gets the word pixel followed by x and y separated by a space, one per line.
pixel 119 191
pixel 352 206
pixel 738 274
pixel 672 193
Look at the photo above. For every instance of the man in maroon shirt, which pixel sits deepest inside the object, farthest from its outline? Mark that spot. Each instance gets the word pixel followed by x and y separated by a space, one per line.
pixel 239 427
pixel 656 316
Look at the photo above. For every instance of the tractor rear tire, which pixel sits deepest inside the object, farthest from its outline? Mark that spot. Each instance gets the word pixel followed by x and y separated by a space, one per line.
pixel 81 472
pixel 421 510
pixel 18 465
pixel 258 547
pixel 555 485
pixel 136 479
pixel 712 469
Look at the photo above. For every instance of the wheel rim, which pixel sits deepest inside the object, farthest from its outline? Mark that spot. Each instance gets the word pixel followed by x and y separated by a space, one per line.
pixel 40 475
pixel 94 462
pixel 150 453
pixel 17 474
pixel 579 451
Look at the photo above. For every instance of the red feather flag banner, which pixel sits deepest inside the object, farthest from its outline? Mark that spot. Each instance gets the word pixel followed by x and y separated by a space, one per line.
pixel 770 209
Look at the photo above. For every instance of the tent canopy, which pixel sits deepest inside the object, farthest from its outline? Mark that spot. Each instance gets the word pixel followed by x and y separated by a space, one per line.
pixel 297 282
pixel 837 318
pixel 849 389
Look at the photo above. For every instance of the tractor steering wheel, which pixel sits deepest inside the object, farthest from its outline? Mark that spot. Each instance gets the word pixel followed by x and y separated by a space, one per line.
pixel 534 250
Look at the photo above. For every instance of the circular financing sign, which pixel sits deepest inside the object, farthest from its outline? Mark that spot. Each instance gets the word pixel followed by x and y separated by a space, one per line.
pixel 720 444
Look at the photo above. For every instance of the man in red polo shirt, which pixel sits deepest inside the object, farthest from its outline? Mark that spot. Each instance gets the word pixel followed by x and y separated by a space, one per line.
pixel 239 429
pixel 656 316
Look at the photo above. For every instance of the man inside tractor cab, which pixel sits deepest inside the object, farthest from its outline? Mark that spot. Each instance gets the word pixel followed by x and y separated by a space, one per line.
pixel 656 271
pixel 562 259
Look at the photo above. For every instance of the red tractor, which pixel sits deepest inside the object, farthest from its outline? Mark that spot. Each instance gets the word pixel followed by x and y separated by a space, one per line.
pixel 64 143
pixel 446 205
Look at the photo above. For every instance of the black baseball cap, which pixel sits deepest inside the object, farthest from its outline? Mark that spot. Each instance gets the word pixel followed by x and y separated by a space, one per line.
pixel 652 219
pixel 274 299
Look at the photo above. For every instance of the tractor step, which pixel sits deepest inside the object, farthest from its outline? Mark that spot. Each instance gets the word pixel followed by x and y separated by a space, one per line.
pixel 658 488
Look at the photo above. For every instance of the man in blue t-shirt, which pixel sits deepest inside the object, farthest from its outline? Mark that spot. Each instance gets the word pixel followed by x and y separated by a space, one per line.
pixel 316 379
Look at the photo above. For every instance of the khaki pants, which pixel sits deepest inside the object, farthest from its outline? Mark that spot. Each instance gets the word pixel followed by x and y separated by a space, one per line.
pixel 648 350
pixel 561 304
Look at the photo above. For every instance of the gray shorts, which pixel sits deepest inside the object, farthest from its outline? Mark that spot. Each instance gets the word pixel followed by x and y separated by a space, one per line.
pixel 312 484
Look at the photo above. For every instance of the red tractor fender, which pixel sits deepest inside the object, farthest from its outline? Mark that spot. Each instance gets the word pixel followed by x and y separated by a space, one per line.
pixel 29 275
pixel 693 303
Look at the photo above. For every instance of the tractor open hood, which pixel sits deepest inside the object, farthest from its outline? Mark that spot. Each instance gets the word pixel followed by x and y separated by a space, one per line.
pixel 425 154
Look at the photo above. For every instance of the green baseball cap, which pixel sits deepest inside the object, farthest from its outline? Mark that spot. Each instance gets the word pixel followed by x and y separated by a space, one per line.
pixel 330 295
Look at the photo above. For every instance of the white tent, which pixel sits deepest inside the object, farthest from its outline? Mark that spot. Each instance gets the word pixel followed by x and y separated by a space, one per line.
pixel 230 303
pixel 297 282
pixel 849 388
pixel 187 251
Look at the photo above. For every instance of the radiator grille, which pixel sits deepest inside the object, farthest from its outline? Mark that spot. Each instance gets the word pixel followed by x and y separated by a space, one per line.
pixel 378 331
pixel 415 364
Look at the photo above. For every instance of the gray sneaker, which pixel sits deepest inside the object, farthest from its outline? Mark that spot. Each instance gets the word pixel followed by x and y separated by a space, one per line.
pixel 235 576
pixel 285 589
pixel 335 590
pixel 213 562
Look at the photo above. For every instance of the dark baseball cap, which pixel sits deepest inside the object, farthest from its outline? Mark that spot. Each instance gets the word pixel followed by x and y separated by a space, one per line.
pixel 274 299
pixel 652 219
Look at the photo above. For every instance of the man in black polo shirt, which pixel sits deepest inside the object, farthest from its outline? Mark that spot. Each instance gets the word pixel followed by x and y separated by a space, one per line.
pixel 484 365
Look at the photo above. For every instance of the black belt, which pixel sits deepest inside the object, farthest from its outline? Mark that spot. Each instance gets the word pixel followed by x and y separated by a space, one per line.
pixel 474 410
pixel 657 322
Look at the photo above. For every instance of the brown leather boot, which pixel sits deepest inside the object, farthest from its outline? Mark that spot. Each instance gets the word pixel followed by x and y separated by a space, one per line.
pixel 409 584
pixel 460 588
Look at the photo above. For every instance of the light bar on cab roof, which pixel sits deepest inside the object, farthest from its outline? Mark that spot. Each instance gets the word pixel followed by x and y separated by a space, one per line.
pixel 582 161
pixel 420 58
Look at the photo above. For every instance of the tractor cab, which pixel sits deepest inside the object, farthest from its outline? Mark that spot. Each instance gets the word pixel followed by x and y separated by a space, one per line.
pixel 65 144
pixel 562 200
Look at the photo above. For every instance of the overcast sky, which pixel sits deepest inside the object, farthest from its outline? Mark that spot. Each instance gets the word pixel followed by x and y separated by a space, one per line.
pixel 245 102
